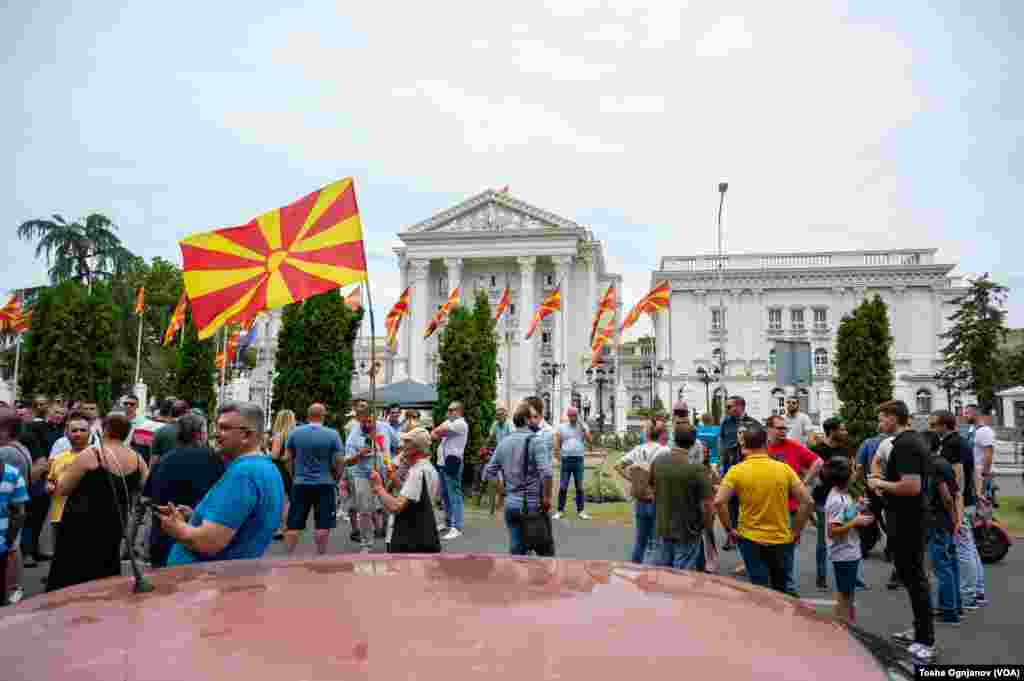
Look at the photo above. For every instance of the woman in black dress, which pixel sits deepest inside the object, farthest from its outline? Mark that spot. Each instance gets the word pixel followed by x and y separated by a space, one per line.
pixel 100 486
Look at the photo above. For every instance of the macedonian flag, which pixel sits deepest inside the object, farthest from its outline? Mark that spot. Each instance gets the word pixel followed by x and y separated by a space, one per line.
pixel 605 310
pixel 454 299
pixel 503 304
pixel 308 247
pixel 552 303
pixel 394 319
pixel 177 319
pixel 231 350
pixel 601 338
pixel 657 299
pixel 10 312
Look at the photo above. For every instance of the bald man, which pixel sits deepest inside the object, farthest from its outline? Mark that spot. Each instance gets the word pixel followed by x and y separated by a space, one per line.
pixel 318 456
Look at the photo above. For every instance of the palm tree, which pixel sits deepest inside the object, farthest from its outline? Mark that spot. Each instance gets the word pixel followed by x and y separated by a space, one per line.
pixel 82 251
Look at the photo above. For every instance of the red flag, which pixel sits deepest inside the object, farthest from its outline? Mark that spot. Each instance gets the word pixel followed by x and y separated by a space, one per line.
pixel 442 314
pixel 394 318
pixel 503 304
pixel 177 319
pixel 140 300
pixel 552 303
pixel 605 309
pixel 656 300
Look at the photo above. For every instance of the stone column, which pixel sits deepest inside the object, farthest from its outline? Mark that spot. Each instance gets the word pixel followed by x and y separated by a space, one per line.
pixel 838 310
pixel 454 266
pixel 420 303
pixel 702 323
pixel 897 315
pixel 561 337
pixel 528 275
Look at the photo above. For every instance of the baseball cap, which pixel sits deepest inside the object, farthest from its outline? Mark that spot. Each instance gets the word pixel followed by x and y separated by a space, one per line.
pixel 418 438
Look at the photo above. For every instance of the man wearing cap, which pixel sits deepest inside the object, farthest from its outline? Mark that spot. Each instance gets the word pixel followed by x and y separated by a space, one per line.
pixel 765 537
pixel 414 529
pixel 568 448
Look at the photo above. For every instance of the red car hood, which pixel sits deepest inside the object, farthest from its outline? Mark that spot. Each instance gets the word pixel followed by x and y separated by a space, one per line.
pixel 433 617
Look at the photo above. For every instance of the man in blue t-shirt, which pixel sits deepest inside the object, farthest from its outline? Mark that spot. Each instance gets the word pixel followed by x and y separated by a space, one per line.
pixel 570 442
pixel 317 455
pixel 237 518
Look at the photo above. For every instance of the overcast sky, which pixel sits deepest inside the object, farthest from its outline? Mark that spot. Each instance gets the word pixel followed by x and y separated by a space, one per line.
pixel 838 125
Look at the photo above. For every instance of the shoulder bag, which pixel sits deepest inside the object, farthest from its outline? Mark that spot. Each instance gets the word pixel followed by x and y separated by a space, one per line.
pixel 534 525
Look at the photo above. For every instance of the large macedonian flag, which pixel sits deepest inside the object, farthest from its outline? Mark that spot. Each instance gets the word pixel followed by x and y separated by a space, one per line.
pixel 308 247
pixel 657 299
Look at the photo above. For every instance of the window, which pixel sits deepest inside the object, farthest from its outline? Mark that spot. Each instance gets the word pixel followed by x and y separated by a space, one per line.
pixel 549 280
pixel 924 401
pixel 716 357
pixel 820 319
pixel 775 319
pixel 638 374
pixel 494 281
pixel 638 402
pixel 442 287
pixel 779 399
pixel 804 398
pixel 796 318
pixel 821 361
pixel 717 320
pixel 547 407
pixel 771 359
pixel 545 337
pixel 512 309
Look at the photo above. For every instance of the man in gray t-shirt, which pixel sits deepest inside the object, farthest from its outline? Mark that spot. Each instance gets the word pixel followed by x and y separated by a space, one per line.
pixel 452 435
pixel 798 424
pixel 569 446
pixel 317 457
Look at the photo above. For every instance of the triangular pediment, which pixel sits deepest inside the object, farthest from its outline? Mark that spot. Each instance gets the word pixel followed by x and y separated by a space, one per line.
pixel 493 211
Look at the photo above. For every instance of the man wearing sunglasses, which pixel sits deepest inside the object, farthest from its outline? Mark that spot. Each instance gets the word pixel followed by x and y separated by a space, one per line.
pixel 238 517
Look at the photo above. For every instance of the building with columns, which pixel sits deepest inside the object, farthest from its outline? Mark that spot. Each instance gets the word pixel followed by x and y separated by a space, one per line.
pixel 490 241
pixel 757 299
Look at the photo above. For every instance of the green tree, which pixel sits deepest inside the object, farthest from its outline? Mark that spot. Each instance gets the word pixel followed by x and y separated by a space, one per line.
pixel 68 350
pixel 487 351
pixel 82 251
pixel 194 370
pixel 973 342
pixel 459 376
pixel 864 367
pixel 314 361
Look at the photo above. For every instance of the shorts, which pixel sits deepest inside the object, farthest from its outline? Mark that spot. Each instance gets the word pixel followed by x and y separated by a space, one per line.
pixel 846 575
pixel 318 497
pixel 361 496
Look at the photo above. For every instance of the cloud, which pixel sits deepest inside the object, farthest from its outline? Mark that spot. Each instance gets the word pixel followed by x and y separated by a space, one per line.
pixel 727 35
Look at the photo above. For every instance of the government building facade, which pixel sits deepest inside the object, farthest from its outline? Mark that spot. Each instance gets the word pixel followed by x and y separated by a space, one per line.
pixel 725 321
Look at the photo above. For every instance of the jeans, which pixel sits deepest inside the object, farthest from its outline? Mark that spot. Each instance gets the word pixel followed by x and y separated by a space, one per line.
pixel 664 552
pixel 766 563
pixel 793 571
pixel 453 498
pixel 821 549
pixel 734 511
pixel 571 467
pixel 515 534
pixel 644 514
pixel 908 557
pixel 38 509
pixel 942 553
pixel 972 572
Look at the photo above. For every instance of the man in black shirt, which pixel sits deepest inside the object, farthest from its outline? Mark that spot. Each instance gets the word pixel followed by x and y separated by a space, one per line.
pixel 944 508
pixel 904 485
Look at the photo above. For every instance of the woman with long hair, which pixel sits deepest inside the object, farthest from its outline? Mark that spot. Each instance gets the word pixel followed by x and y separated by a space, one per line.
pixel 100 486
pixel 284 424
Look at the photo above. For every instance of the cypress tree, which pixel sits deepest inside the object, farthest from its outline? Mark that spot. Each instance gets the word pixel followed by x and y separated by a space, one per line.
pixel 459 376
pixel 974 340
pixel 864 367
pixel 487 351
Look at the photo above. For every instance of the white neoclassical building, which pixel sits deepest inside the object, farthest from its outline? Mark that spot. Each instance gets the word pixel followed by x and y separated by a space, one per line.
pixel 759 298
pixel 490 241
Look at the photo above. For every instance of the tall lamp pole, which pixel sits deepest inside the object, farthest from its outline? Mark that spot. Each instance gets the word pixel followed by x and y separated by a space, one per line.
pixel 707 378
pixel 552 370
pixel 723 187
pixel 600 376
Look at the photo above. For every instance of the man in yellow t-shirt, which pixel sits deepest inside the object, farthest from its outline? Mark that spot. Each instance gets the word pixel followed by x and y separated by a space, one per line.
pixel 77 431
pixel 764 487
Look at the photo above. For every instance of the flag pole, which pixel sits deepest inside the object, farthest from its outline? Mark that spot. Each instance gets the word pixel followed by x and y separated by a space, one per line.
pixel 17 362
pixel 508 347
pixel 224 365
pixel 138 351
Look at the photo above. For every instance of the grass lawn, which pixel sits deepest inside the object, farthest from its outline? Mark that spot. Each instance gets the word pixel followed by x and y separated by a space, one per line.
pixel 1011 512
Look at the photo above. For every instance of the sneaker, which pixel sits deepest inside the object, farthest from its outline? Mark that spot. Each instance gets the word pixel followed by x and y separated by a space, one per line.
pixel 922 653
pixel 442 527
pixel 822 583
pixel 970 607
pixel 557 516
pixel 452 534
pixel 981 601
pixel 354 535
pixel 584 515
pixel 740 570
pixel 16 595
pixel 905 636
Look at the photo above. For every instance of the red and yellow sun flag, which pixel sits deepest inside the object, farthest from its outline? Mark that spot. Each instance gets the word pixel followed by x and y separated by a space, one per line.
pixel 442 314
pixel 394 319
pixel 657 299
pixel 23 322
pixel 231 350
pixel 552 303
pixel 604 334
pixel 308 247
pixel 605 310
pixel 140 300
pixel 10 312
pixel 177 319
pixel 354 300
pixel 506 300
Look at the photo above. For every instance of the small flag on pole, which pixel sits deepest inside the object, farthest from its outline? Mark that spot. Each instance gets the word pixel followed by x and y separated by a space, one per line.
pixel 231 350
pixel 13 318
pixel 503 304
pixel 442 314
pixel 394 318
pixel 140 300
pixel 177 319
pixel 605 309
pixel 354 299
pixel 657 299
pixel 552 303
pixel 600 339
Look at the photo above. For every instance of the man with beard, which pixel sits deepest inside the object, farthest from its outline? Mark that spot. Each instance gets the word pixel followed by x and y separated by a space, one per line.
pixel 798 424
pixel 730 451
pixel 835 443
pixel 569 446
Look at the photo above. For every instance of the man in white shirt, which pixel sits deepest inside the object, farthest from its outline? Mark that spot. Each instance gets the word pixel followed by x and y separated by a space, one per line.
pixel 798 424
pixel 984 451
pixel 453 435
pixel 635 467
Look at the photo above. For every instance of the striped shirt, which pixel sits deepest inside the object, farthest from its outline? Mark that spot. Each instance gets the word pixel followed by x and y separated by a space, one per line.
pixel 12 491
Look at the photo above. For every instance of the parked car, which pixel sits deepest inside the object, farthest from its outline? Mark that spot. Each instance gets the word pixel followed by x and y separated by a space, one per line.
pixel 432 617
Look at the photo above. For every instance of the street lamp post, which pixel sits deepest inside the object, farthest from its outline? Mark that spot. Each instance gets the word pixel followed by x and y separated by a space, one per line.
pixel 552 370
pixel 600 376
pixel 653 372
pixel 707 378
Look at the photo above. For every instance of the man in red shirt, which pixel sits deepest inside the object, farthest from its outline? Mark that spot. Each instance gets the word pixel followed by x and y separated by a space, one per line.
pixel 805 464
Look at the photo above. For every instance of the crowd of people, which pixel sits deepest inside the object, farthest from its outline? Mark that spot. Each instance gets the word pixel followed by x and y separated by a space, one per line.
pixel 65 468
